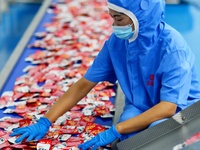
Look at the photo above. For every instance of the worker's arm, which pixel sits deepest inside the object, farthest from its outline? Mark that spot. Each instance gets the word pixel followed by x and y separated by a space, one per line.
pixel 161 110
pixel 68 100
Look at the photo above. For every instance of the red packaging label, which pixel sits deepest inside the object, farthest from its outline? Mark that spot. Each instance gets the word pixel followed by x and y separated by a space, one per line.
pixel 24 122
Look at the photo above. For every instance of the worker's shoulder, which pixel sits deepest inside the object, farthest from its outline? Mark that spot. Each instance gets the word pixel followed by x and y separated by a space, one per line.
pixel 172 38
pixel 171 32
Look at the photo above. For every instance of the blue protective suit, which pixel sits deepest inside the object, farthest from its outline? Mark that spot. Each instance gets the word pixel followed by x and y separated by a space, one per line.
pixel 155 64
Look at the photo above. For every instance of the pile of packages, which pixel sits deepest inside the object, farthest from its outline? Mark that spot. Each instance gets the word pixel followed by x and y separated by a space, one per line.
pixel 63 52
pixel 193 143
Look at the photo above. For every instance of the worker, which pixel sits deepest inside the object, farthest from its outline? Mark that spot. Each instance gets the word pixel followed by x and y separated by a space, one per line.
pixel 152 63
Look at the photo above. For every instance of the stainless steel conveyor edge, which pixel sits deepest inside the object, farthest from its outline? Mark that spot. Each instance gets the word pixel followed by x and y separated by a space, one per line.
pixel 4 74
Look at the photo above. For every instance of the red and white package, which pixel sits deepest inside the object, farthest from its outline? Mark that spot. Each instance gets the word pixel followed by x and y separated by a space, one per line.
pixel 72 129
pixel 18 146
pixel 64 137
pixel 101 110
pixel 13 120
pixel 194 138
pixel 70 115
pixel 94 129
pixel 3 103
pixel 4 124
pixel 18 95
pixel 25 122
pixel 44 144
pixel 3 143
pixel 191 140
pixel 7 95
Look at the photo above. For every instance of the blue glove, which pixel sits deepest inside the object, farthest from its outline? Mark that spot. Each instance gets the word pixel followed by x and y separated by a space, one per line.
pixel 32 132
pixel 101 139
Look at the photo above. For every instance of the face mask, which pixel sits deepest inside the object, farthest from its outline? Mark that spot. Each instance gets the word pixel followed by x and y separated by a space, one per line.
pixel 123 32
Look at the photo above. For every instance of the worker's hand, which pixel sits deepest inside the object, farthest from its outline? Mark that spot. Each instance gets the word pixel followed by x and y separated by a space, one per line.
pixel 32 132
pixel 102 139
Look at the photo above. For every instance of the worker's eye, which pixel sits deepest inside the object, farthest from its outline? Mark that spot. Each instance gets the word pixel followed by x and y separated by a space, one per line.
pixel 119 20
pixel 116 17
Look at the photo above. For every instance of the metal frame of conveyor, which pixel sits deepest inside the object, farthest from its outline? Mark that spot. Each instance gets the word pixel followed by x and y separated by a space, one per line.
pixel 167 134
pixel 4 74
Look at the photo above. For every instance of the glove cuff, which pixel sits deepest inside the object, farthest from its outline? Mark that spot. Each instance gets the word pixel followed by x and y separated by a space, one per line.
pixel 45 121
pixel 117 134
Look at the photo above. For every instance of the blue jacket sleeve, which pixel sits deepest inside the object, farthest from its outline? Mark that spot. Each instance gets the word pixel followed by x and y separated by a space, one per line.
pixel 102 68
pixel 177 77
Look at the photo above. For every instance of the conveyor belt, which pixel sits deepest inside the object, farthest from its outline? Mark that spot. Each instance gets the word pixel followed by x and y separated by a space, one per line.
pixel 163 136
pixel 13 69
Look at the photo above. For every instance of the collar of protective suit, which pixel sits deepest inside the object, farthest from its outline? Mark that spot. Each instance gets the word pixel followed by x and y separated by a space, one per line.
pixel 147 17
